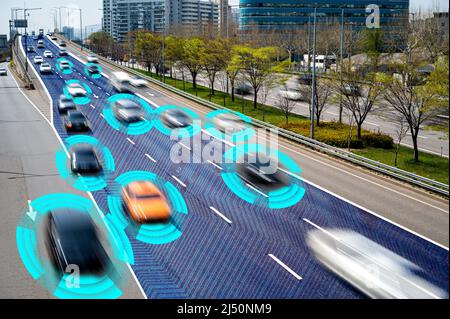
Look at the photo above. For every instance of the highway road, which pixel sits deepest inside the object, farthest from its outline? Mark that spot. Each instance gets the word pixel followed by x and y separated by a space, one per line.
pixel 231 249
pixel 433 142
pixel 27 171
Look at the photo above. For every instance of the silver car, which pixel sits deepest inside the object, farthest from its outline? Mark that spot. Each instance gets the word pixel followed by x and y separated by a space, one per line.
pixel 369 267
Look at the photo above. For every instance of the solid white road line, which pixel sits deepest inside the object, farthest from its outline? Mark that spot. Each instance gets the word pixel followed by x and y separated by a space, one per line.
pixel 179 182
pixel 150 158
pixel 320 228
pixel 131 141
pixel 282 264
pixel 220 214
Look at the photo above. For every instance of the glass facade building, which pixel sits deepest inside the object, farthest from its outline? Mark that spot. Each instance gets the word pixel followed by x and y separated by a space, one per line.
pixel 281 15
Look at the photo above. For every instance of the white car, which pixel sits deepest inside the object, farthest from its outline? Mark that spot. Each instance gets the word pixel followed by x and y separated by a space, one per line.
pixel 38 59
pixel 229 123
pixel 45 68
pixel 92 58
pixel 293 95
pixel 48 54
pixel 64 65
pixel 76 90
pixel 138 82
pixel 369 267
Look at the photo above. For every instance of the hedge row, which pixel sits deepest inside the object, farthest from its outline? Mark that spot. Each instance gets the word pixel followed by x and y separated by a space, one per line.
pixel 336 134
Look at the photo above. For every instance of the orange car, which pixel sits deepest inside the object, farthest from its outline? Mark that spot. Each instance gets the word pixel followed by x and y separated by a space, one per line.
pixel 144 202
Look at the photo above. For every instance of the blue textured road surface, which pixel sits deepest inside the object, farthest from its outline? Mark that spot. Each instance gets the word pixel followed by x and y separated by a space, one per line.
pixel 214 259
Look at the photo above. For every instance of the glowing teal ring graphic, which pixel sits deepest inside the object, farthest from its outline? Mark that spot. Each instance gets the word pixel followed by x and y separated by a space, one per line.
pixel 78 100
pixel 184 132
pixel 158 233
pixel 85 183
pixel 96 75
pixel 281 198
pixel 66 72
pixel 239 136
pixel 138 128
pixel 104 286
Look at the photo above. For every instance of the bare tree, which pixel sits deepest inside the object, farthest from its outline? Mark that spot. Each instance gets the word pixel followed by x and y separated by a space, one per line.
pixel 323 93
pixel 286 105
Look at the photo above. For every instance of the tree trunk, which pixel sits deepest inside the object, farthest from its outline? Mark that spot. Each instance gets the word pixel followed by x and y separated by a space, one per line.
pixel 255 100
pixel 359 129
pixel 194 80
pixel 415 146
pixel 396 153
pixel 232 92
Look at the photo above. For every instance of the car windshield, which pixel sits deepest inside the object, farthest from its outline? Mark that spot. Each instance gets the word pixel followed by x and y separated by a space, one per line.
pixel 147 196
pixel 45 65
pixel 85 155
pixel 76 116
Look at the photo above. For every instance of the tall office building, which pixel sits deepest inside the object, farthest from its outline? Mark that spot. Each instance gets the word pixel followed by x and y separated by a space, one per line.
pixel 192 15
pixel 285 15
pixel 224 17
pixel 123 16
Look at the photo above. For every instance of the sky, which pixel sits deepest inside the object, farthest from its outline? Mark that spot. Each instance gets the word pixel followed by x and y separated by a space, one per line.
pixel 91 15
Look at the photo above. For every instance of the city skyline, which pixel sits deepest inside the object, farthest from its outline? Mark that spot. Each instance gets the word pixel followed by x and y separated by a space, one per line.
pixel 91 14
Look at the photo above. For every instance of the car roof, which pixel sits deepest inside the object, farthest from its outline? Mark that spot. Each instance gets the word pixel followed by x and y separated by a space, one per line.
pixel 71 219
pixel 143 188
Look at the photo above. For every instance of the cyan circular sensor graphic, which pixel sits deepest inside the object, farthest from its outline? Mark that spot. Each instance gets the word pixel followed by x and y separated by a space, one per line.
pixel 129 114
pixel 147 202
pixel 80 95
pixel 177 121
pixel 88 165
pixel 262 176
pixel 65 70
pixel 93 70
pixel 57 225
pixel 229 125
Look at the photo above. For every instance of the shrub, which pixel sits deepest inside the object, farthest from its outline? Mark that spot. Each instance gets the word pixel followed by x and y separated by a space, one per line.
pixel 377 140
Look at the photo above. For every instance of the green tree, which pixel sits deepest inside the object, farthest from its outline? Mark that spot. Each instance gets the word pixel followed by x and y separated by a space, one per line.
pixel 256 65
pixel 101 42
pixel 148 47
pixel 213 60
pixel 193 51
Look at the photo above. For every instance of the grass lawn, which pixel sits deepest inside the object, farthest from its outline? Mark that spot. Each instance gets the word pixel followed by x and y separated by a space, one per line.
pixel 431 166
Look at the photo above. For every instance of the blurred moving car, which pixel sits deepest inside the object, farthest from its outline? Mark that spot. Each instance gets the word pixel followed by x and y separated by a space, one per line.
pixel 76 89
pixel 48 54
pixel 62 43
pixel 84 160
pixel 243 89
pixel 64 65
pixel 229 123
pixel 145 203
pixel 121 82
pixel 65 104
pixel 369 267
pixel 262 172
pixel 38 59
pixel 31 49
pixel 63 52
pixel 54 38
pixel 138 82
pixel 305 79
pixel 3 72
pixel 175 118
pixel 128 111
pixel 92 58
pixel 72 239
pixel 40 44
pixel 75 121
pixel 45 68
pixel 351 89
pixel 93 69
pixel 291 94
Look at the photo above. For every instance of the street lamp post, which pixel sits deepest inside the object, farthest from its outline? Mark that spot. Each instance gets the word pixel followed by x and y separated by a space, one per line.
pixel 313 84
pixel 341 58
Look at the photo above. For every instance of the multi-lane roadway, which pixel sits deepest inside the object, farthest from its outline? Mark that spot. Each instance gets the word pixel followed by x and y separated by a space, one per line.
pixel 232 249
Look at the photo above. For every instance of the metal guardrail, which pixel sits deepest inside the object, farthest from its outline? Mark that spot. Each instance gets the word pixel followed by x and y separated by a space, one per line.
pixel 391 171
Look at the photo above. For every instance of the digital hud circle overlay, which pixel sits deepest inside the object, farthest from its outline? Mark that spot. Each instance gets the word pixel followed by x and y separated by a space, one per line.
pixel 283 197
pixel 151 233
pixel 70 285
pixel 85 183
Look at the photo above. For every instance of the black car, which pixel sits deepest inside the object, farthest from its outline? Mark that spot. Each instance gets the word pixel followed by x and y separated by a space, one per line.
pixel 62 43
pixel 243 89
pixel 305 79
pixel 93 69
pixel 261 172
pixel 31 49
pixel 175 118
pixel 72 239
pixel 84 160
pixel 128 111
pixel 75 121
pixel 63 52
pixel 65 104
